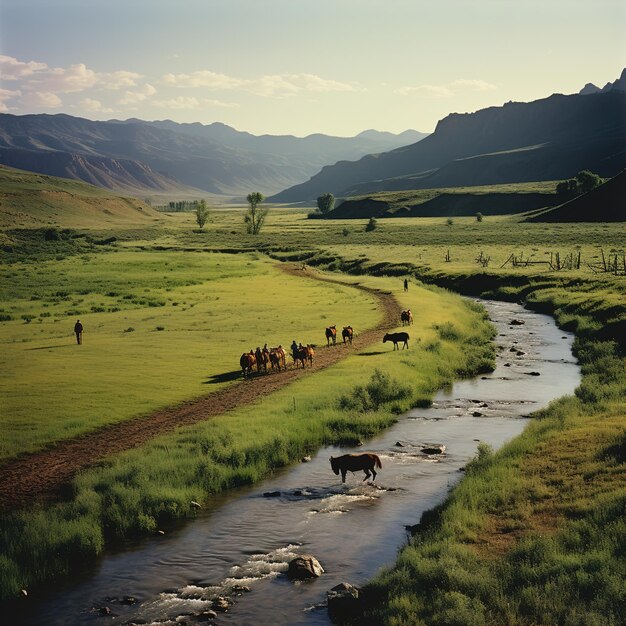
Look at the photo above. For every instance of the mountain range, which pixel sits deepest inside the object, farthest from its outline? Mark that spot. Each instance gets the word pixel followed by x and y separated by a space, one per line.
pixel 619 84
pixel 548 139
pixel 167 158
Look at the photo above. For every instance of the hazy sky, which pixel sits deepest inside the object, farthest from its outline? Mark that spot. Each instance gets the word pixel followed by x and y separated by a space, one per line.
pixel 298 67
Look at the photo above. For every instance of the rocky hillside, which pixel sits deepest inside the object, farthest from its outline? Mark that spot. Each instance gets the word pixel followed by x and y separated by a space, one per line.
pixel 546 139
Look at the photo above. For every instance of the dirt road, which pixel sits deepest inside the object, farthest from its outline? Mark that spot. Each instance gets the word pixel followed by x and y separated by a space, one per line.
pixel 43 476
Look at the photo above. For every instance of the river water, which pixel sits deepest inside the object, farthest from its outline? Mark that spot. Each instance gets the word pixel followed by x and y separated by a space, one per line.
pixel 239 545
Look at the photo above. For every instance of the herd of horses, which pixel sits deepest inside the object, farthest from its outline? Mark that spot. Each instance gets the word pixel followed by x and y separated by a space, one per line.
pixel 346 334
pixel 266 358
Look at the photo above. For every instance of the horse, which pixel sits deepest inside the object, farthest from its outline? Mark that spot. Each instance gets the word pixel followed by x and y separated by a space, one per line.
pixel 397 338
pixel 306 353
pixel 278 358
pixel 366 461
pixel 346 334
pixel 247 361
pixel 331 335
pixel 406 317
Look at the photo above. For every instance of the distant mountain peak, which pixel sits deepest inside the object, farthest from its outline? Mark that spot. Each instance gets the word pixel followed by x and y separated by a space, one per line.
pixel 619 84
pixel 588 89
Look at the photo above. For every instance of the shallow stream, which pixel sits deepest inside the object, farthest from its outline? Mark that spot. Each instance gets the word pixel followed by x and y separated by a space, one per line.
pixel 240 544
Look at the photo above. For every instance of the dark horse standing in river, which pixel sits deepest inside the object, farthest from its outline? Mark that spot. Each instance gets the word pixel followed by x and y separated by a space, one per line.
pixel 354 463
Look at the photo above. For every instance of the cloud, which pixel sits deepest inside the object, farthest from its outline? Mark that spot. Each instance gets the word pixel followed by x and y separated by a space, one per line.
pixel 64 80
pixel 269 85
pixel 94 106
pixel 40 77
pixel 118 80
pixel 447 90
pixel 134 97
pixel 7 94
pixel 284 85
pixel 12 69
pixel 41 99
pixel 203 78
pixel 191 102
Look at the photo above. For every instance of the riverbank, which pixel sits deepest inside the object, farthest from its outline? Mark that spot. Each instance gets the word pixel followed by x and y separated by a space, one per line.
pixel 141 491
pixel 247 537
pixel 534 534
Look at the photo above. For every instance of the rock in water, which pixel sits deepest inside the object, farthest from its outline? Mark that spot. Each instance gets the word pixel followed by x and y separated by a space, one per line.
pixel 221 604
pixel 515 322
pixel 343 602
pixel 304 567
pixel 434 449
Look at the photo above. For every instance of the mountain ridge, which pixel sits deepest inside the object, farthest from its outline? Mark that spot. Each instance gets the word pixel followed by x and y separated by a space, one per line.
pixel 561 127
pixel 179 158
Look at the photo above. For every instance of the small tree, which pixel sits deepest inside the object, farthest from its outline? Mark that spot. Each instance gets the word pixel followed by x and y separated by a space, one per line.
pixel 256 214
pixel 326 203
pixel 371 225
pixel 583 182
pixel 587 181
pixel 202 213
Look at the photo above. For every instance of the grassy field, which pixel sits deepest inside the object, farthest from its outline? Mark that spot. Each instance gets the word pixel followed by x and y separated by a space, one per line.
pixel 189 315
pixel 417 196
pixel 532 535
pixel 139 491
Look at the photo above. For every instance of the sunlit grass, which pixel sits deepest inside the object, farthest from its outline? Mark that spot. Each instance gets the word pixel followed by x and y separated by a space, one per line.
pixel 142 489
pixel 191 314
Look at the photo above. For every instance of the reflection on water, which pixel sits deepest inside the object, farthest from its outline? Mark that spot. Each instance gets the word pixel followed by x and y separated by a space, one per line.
pixel 239 547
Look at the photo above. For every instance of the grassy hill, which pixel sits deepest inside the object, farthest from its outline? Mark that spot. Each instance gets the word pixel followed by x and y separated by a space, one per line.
pixel 606 203
pixel 34 200
pixel 450 202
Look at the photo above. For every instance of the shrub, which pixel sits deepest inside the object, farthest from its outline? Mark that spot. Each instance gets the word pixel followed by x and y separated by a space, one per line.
pixel 370 397
pixel 371 225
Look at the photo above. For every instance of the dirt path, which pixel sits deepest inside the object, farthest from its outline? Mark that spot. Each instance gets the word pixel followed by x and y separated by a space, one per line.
pixel 43 476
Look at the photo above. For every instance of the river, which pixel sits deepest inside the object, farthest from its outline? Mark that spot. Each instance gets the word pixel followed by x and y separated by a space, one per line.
pixel 239 544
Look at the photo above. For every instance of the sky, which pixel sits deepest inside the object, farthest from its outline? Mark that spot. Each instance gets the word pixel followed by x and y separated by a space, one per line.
pixel 299 67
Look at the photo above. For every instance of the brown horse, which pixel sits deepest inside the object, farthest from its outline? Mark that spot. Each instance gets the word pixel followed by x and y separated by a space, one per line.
pixel 397 338
pixel 347 333
pixel 278 358
pixel 247 361
pixel 331 335
pixel 406 317
pixel 366 461
pixel 306 353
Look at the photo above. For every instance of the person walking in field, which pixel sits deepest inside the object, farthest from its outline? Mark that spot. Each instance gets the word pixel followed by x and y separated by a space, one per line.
pixel 406 284
pixel 294 350
pixel 78 330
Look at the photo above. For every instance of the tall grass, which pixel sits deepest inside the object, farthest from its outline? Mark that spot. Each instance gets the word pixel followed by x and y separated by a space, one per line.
pixel 144 489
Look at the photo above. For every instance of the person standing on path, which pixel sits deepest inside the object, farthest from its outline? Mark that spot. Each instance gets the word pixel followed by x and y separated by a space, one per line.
pixel 78 330
pixel 294 350
pixel 406 284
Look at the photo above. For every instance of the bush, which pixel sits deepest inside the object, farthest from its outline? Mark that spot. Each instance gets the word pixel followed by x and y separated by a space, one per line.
pixel 381 389
pixel 371 225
